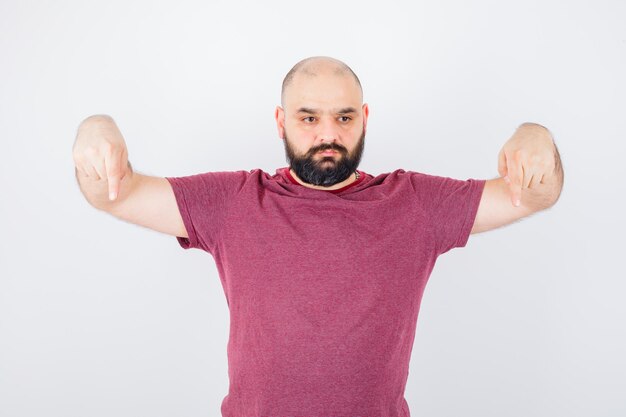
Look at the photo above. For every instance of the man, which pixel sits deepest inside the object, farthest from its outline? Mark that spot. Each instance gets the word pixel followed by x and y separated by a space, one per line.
pixel 323 265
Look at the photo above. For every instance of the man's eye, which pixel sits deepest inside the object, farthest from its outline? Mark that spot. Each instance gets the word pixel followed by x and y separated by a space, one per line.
pixel 346 118
pixel 307 118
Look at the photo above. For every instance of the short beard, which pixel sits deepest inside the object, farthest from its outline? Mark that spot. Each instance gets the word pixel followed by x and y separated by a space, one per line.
pixel 321 172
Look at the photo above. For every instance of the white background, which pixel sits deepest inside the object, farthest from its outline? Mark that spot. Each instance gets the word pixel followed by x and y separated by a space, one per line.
pixel 99 317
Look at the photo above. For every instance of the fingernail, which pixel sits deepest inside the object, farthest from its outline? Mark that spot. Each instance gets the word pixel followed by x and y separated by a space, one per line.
pixel 517 203
pixel 111 195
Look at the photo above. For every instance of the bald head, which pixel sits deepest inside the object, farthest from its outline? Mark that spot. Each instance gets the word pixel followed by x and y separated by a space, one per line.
pixel 317 66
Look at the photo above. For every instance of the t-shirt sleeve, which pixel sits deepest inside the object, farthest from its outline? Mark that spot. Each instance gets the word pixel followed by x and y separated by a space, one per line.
pixel 452 205
pixel 203 201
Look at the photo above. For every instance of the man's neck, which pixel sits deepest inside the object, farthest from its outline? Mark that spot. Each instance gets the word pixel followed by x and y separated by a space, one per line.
pixel 341 184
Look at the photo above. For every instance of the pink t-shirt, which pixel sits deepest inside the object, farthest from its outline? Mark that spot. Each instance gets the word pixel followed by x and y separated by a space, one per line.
pixel 323 288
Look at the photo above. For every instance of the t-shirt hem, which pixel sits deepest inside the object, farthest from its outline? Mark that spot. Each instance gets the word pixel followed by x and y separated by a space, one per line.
pixel 191 241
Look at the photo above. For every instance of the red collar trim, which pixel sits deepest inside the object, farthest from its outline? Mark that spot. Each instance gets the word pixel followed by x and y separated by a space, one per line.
pixel 338 190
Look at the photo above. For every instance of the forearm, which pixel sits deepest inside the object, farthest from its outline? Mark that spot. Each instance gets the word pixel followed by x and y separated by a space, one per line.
pixel 96 191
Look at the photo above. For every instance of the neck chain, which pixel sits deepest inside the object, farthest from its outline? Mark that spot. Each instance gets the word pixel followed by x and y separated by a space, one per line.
pixel 356 173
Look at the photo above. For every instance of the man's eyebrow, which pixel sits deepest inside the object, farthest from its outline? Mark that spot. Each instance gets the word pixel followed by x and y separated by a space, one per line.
pixel 344 110
pixel 347 110
pixel 306 110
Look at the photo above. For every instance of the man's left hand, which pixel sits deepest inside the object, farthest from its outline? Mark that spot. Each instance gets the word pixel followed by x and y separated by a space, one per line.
pixel 526 158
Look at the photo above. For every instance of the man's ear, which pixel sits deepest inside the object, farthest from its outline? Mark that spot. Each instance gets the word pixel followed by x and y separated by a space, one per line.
pixel 279 115
pixel 366 113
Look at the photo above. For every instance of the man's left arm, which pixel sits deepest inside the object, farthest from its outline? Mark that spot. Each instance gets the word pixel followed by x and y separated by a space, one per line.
pixel 531 179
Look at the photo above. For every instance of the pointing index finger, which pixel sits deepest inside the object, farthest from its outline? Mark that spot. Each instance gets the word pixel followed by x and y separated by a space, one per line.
pixel 112 166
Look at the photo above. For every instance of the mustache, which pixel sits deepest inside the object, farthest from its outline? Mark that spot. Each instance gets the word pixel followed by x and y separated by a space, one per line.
pixel 329 147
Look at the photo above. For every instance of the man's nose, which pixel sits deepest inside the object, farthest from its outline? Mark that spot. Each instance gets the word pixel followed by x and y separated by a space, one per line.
pixel 328 131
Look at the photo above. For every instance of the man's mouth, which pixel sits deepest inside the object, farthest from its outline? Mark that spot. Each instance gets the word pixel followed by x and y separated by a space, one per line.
pixel 328 152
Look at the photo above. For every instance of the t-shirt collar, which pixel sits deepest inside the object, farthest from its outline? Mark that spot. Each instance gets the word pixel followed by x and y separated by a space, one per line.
pixel 286 172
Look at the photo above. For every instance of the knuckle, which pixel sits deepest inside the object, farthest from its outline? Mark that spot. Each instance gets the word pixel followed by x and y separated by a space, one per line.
pixel 546 164
pixel 77 156
pixel 107 147
pixel 90 151
pixel 98 117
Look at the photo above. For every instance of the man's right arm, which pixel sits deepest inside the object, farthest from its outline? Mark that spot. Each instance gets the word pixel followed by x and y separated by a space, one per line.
pixel 100 157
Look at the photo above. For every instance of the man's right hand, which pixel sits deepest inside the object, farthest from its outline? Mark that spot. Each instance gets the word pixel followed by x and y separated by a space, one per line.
pixel 100 152
pixel 101 160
